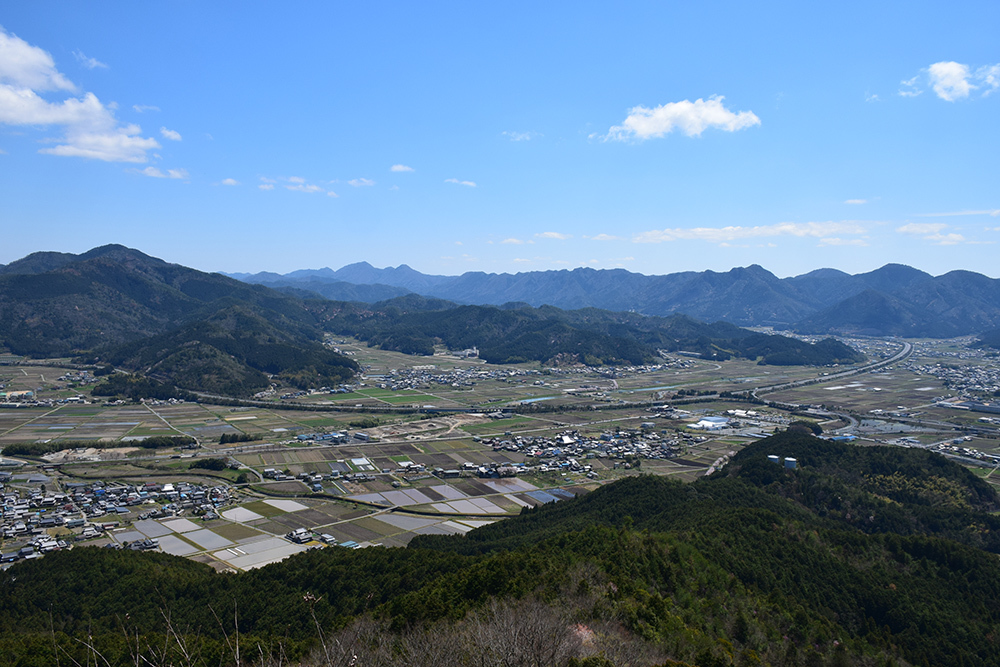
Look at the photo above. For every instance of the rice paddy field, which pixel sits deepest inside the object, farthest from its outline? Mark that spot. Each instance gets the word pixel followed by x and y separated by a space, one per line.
pixel 388 507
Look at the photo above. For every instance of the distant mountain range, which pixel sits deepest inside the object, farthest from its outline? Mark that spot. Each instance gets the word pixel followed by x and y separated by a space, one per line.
pixel 208 332
pixel 893 300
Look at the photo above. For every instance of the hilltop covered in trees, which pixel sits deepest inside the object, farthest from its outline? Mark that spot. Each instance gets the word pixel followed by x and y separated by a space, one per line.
pixel 517 333
pixel 862 556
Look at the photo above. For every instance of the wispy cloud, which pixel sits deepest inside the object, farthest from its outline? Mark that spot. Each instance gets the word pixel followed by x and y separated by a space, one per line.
pixel 856 201
pixel 469 184
pixel 724 234
pixel 604 237
pixel 400 168
pixel 691 118
pixel 143 108
pixel 230 181
pixel 89 128
pixel 513 241
pixel 154 172
pixel 361 182
pixel 991 212
pixel 910 87
pixel 299 187
pixel 554 235
pixel 921 228
pixel 266 186
pixel 835 241
pixel 521 136
pixel 931 231
pixel 89 63
pixel 170 134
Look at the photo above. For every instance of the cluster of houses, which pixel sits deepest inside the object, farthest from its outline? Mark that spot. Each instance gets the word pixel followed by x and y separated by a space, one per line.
pixel 962 371
pixel 570 450
pixel 88 510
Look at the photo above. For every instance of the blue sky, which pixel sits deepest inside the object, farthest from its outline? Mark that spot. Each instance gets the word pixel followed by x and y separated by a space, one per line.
pixel 505 137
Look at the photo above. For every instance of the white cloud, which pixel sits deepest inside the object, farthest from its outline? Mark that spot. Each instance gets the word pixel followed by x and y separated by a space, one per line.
pixel 295 179
pixel 991 212
pixel 724 234
pixel 361 182
pixel 331 193
pixel 89 63
pixel 856 201
pixel 170 173
pixel 266 186
pixel 173 135
pixel 265 179
pixel 142 108
pixel 513 241
pixel 520 260
pixel 921 228
pixel 520 136
pixel 605 237
pixel 835 241
pixel 932 231
pixel 26 66
pixel 691 118
pixel 950 80
pixel 400 167
pixel 230 181
pixel 304 188
pixel 470 184
pixel 553 235
pixel 872 97
pixel 89 128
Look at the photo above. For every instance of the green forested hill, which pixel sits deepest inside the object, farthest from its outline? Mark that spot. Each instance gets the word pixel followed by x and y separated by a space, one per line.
pixel 519 333
pixel 235 351
pixel 863 556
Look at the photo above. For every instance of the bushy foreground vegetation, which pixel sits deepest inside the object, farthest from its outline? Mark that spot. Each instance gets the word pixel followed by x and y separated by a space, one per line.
pixel 862 556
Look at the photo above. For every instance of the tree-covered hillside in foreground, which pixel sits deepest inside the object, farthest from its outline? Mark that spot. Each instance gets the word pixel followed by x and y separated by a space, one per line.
pixel 862 556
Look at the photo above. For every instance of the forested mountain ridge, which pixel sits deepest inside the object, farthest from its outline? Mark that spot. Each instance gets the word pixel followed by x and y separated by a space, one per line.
pixel 755 564
pixel 200 331
pixel 233 352
pixel 891 300
pixel 517 333
pixel 120 306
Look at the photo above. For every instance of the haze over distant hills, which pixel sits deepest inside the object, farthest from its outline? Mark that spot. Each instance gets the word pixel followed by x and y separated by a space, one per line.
pixel 893 300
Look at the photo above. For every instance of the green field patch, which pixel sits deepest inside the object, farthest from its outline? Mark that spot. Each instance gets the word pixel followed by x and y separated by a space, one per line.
pixel 235 532
pixel 376 526
pixel 377 393
pixel 263 509
pixel 409 398
pixel 351 396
